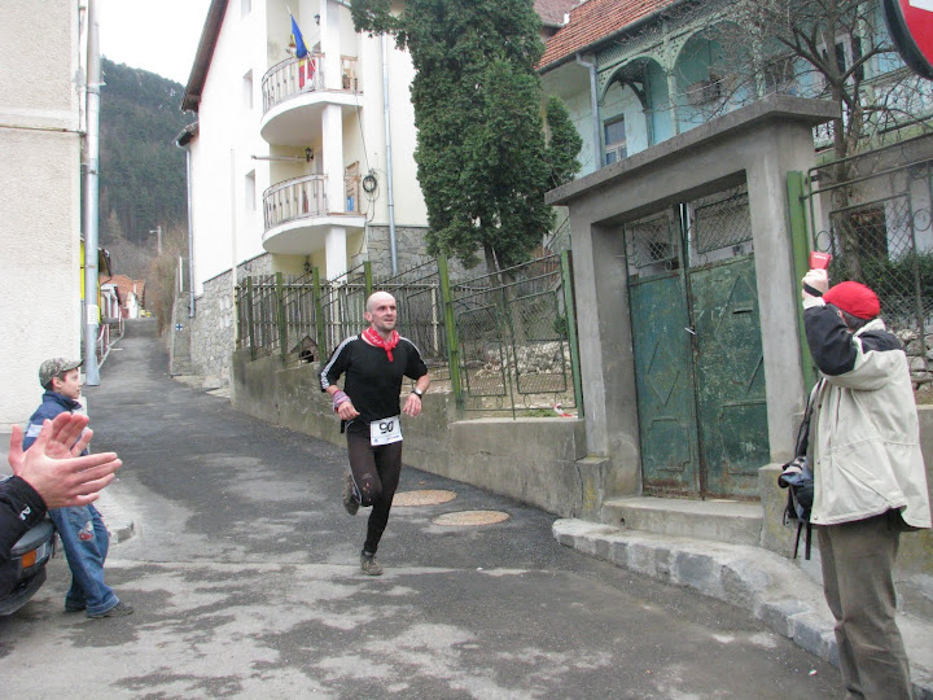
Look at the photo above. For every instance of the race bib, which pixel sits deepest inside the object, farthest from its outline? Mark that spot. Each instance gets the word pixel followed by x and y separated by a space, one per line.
pixel 385 431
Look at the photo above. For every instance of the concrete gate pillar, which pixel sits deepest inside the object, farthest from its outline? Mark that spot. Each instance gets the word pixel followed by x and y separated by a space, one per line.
pixel 757 144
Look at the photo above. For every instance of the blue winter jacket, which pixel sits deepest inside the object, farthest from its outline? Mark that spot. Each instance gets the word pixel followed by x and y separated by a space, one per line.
pixel 52 404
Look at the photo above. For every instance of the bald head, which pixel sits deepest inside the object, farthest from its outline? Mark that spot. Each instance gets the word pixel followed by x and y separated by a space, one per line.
pixel 381 313
pixel 377 298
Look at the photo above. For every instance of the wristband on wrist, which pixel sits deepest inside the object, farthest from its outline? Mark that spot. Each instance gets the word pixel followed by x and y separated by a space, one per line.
pixel 339 398
pixel 417 392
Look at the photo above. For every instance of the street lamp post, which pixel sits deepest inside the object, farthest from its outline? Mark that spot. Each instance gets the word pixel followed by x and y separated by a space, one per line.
pixel 158 231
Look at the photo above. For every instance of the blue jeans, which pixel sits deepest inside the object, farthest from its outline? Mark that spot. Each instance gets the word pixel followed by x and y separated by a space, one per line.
pixel 86 541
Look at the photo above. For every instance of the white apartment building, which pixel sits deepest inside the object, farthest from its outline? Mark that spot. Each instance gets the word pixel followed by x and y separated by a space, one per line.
pixel 294 163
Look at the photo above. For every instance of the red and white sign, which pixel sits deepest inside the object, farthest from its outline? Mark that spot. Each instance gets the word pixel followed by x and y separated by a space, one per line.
pixel 910 24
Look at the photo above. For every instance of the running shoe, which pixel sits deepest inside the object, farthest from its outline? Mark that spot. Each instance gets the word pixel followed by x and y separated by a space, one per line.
pixel 350 504
pixel 369 565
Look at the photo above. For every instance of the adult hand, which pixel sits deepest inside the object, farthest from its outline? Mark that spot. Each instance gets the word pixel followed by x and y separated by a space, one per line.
pixel 816 279
pixel 346 411
pixel 49 466
pixel 412 405
pixel 70 436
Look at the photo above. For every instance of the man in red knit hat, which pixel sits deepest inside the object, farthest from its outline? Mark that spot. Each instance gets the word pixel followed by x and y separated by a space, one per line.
pixel 870 479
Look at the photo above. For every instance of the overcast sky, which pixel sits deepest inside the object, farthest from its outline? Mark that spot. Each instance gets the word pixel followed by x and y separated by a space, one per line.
pixel 160 36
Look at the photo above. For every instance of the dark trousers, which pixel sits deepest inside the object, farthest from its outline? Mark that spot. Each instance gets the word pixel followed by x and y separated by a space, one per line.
pixel 376 472
pixel 858 563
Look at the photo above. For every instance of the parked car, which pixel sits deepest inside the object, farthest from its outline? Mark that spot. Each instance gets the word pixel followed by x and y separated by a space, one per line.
pixel 26 568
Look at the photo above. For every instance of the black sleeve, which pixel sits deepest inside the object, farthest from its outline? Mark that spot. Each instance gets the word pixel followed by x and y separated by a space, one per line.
pixel 20 508
pixel 831 345
pixel 336 365
pixel 415 368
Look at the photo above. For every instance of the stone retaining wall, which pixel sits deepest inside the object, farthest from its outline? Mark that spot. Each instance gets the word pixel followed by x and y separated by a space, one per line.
pixel 533 460
pixel 212 339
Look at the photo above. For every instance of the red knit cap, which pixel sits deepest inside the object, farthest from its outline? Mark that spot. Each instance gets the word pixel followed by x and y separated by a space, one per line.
pixel 854 298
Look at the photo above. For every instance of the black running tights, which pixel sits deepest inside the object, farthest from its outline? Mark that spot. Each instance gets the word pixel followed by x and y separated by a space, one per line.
pixel 376 472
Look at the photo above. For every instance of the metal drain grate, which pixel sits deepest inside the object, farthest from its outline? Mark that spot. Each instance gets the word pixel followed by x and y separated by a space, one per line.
pixel 425 497
pixel 471 518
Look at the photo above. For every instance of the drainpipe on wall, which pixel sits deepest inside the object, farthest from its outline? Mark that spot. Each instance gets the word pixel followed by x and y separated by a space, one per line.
pixel 233 260
pixel 594 105
pixel 91 203
pixel 183 141
pixel 393 244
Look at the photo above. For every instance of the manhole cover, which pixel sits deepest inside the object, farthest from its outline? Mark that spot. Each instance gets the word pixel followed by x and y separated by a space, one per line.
pixel 425 497
pixel 471 517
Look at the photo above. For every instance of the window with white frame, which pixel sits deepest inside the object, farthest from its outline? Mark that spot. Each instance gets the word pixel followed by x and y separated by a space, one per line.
pixel 847 51
pixel 614 138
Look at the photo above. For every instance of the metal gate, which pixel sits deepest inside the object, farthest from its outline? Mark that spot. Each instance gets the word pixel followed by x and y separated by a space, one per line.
pixel 697 342
pixel 874 217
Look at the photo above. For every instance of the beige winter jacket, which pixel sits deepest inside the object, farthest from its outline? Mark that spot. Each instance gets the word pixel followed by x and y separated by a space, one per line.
pixel 867 457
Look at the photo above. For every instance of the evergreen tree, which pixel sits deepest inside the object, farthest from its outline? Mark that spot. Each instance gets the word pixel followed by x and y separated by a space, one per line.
pixel 483 163
pixel 565 143
pixel 142 172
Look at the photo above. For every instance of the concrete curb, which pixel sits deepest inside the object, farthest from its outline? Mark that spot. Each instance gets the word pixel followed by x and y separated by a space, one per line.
pixel 762 582
pixel 119 524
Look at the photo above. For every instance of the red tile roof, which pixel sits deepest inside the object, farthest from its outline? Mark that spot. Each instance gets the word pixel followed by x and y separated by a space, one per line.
pixel 125 285
pixel 595 20
pixel 552 12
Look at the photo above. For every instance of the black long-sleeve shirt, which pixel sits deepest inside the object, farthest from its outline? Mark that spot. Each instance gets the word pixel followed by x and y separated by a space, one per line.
pixel 372 382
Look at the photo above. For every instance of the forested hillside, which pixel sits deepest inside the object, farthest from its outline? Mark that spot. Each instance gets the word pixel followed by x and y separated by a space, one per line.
pixel 142 172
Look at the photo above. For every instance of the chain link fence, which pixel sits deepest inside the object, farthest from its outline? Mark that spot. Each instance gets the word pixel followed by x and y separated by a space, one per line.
pixel 872 213
pixel 503 342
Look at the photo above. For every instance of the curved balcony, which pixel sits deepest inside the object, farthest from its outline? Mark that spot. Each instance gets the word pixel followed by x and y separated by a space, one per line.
pixel 296 215
pixel 294 93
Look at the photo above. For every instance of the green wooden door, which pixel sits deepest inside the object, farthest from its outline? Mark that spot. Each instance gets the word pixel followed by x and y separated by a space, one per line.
pixel 731 405
pixel 693 298
pixel 665 386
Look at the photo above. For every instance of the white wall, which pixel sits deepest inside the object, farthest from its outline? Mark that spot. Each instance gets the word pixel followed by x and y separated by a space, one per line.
pixel 410 209
pixel 40 305
pixel 256 42
pixel 226 226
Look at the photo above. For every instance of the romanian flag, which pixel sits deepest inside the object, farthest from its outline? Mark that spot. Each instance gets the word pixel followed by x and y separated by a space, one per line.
pixel 300 49
pixel 306 70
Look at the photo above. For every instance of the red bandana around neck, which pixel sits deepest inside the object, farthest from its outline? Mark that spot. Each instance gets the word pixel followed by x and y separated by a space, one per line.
pixel 373 338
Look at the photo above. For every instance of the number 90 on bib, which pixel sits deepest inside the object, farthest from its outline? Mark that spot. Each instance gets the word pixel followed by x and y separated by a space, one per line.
pixel 385 431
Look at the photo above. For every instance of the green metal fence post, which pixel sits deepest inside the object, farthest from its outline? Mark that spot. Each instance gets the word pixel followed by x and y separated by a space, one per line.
pixel 566 270
pixel 249 318
pixel 368 275
pixel 800 245
pixel 453 350
pixel 280 316
pixel 318 312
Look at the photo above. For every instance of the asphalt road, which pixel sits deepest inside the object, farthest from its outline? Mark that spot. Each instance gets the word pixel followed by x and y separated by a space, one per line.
pixel 244 572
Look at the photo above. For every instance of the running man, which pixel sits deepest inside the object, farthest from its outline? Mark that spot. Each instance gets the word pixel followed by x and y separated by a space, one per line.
pixel 374 363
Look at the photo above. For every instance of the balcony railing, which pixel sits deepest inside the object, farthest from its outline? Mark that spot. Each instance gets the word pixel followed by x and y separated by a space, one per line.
pixel 295 76
pixel 291 77
pixel 304 198
pixel 294 199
